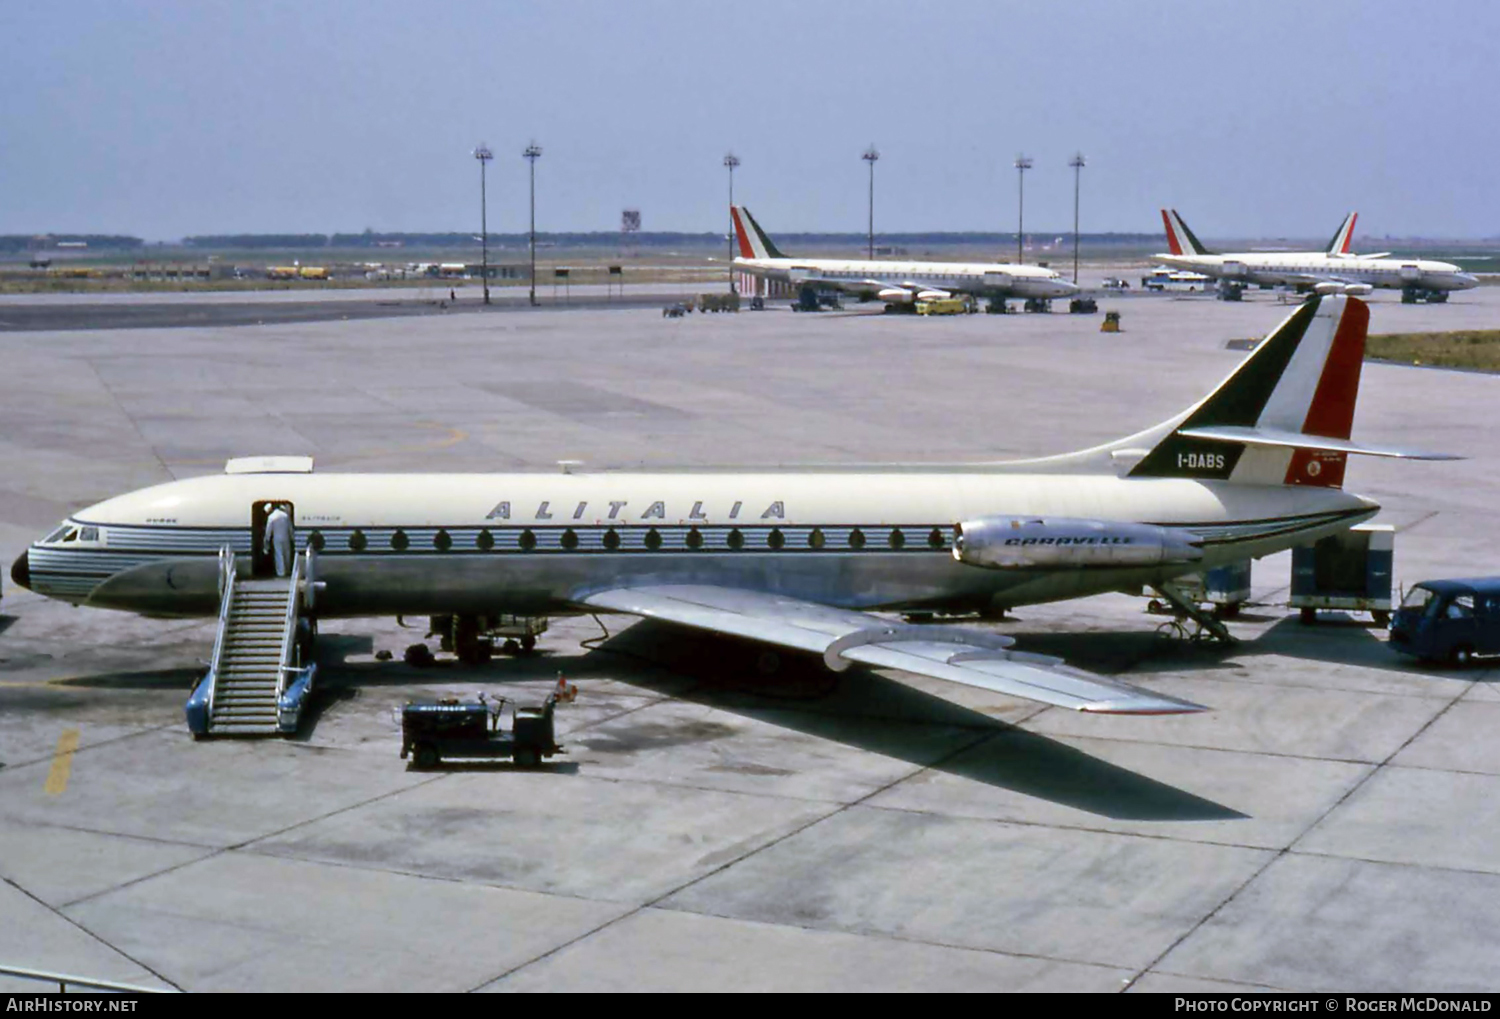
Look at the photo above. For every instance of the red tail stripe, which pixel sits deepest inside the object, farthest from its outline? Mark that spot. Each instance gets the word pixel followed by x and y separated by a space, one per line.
pixel 1171 234
pixel 1332 410
pixel 746 251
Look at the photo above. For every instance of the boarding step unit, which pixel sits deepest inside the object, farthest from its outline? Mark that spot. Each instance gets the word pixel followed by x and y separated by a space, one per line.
pixel 258 678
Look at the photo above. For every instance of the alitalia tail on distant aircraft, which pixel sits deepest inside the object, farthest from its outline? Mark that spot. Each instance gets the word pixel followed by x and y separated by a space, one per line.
pixel 795 557
pixel 894 282
pixel 1332 271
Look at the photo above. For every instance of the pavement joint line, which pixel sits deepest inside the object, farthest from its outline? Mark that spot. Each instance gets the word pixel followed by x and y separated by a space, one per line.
pixel 134 425
pixel 222 850
pixel 1243 983
pixel 1059 737
pixel 57 912
pixel 899 938
pixel 1064 826
pixel 338 810
pixel 1275 684
pixel 370 868
pixel 85 748
pixel 1446 868
pixel 799 829
pixel 1446 771
pixel 1290 848
pixel 156 840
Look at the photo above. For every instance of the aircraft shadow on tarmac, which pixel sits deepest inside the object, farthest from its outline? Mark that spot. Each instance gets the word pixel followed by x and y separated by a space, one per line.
pixel 140 679
pixel 859 708
pixel 6 622
pixel 1336 639
pixel 805 697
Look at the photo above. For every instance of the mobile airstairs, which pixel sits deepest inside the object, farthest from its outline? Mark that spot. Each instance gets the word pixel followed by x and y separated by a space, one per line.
pixel 261 673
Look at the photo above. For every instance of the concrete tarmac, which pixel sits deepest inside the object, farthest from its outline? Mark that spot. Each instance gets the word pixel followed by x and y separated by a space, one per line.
pixel 1330 825
pixel 165 310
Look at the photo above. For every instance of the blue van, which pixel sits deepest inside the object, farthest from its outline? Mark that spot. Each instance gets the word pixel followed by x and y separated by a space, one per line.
pixel 1452 621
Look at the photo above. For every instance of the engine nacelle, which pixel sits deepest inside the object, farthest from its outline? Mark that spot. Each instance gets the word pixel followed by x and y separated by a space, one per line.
pixel 933 295
pixel 1014 543
pixel 896 295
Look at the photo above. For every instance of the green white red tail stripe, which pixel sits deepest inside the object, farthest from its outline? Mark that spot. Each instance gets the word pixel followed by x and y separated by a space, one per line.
pixel 753 242
pixel 1340 243
pixel 1179 238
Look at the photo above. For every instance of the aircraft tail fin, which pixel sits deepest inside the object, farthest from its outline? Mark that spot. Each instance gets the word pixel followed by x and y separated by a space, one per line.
pixel 1180 239
pixel 1284 415
pixel 753 242
pixel 1339 245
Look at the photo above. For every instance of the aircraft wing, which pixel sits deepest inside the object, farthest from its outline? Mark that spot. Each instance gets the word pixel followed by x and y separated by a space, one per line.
pixel 837 282
pixel 842 636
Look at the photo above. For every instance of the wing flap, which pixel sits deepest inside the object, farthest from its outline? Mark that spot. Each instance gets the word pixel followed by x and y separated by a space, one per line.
pixel 957 655
pixel 1302 440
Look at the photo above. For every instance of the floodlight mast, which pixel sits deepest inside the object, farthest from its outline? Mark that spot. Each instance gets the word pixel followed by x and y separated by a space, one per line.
pixel 484 155
pixel 730 162
pixel 531 155
pixel 870 156
pixel 1077 163
pixel 1023 163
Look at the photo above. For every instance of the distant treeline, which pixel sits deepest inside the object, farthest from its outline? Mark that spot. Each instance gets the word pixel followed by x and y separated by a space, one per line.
pixel 610 238
pixel 12 243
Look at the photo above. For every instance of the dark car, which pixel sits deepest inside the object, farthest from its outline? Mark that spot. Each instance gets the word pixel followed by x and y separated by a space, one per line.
pixel 1452 621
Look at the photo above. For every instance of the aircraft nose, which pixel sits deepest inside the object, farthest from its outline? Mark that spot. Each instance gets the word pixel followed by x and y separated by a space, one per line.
pixel 20 571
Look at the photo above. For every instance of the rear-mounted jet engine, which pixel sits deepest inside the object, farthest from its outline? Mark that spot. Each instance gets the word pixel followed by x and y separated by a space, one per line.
pixel 1010 543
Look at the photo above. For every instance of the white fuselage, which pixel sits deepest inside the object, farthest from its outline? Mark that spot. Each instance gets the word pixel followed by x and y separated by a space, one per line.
pixel 866 276
pixel 540 542
pixel 1296 268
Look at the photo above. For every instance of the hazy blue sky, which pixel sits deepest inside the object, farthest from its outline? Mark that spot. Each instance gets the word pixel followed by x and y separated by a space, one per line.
pixel 1253 118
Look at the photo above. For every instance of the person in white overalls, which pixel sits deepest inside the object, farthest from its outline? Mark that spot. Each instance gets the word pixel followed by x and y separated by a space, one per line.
pixel 279 540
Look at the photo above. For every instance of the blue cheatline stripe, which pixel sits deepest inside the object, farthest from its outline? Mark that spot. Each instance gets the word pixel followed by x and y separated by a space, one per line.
pixel 560 538
pixel 125 547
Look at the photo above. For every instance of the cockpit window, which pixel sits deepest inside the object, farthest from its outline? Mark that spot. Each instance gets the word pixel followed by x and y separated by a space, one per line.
pixel 55 535
pixel 72 534
pixel 88 534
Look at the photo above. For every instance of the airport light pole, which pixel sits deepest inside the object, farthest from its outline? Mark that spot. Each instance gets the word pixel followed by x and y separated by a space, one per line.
pixel 531 155
pixel 730 162
pixel 1077 164
pixel 1023 163
pixel 871 154
pixel 484 155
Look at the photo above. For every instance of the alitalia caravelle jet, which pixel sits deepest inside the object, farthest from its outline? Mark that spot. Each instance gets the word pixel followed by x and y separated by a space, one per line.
pixel 894 282
pixel 797 558
pixel 1342 271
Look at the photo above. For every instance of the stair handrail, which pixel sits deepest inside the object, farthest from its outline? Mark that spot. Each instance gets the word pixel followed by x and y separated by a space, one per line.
pixel 62 980
pixel 226 596
pixel 288 630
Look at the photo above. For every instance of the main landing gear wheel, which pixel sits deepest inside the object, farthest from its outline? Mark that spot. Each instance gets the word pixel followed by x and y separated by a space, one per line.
pixel 418 656
pixel 528 643
pixel 1382 618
